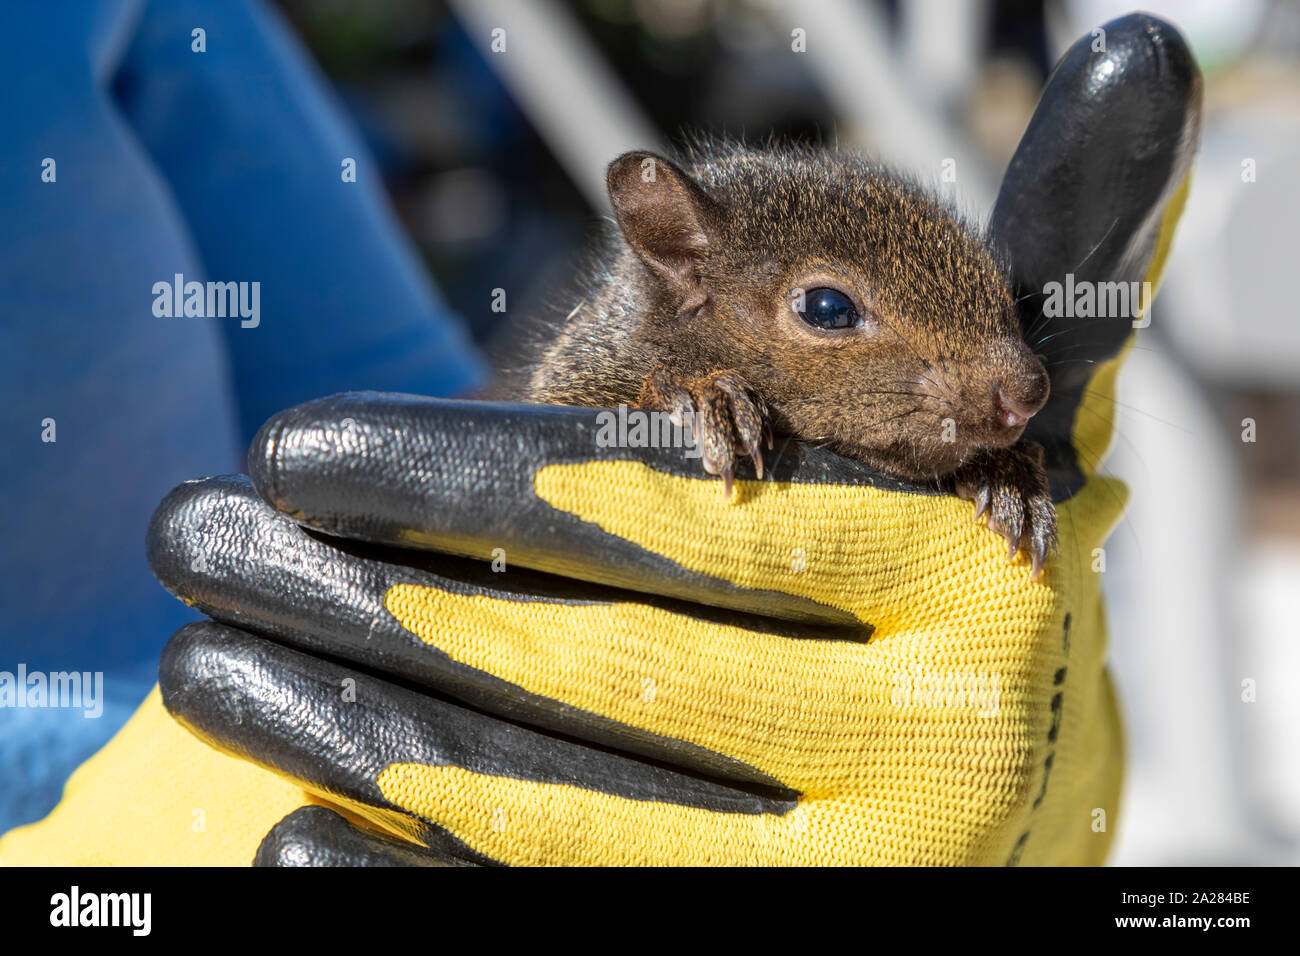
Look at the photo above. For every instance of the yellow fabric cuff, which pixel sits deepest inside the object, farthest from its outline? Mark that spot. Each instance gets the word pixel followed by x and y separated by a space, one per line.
pixel 156 795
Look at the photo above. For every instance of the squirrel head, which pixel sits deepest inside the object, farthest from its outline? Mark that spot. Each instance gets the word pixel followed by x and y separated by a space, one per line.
pixel 864 313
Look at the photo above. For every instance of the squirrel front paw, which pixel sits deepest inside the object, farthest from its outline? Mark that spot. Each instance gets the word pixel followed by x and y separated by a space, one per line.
pixel 1009 485
pixel 727 419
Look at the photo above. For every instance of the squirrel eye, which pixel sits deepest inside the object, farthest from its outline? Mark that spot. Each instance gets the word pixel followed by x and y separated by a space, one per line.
pixel 830 309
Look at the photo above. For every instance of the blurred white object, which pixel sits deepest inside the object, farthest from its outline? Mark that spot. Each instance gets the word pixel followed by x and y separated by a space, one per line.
pixel 1237 251
pixel 1268 602
pixel 941 43
pixel 1164 580
pixel 1199 756
pixel 1218 31
pixel 559 78
pixel 850 53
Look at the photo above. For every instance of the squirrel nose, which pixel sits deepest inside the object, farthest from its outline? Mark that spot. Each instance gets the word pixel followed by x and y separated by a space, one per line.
pixel 1011 412
pixel 1020 384
pixel 1014 405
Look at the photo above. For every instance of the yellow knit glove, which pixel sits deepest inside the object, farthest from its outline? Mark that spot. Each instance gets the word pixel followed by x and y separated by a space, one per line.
pixel 975 726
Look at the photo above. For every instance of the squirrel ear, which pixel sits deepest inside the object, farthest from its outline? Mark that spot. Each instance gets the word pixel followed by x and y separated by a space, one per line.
pixel 665 216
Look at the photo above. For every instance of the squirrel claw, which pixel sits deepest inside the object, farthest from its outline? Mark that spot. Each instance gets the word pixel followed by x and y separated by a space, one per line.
pixel 727 420
pixel 1009 486
pixel 1038 558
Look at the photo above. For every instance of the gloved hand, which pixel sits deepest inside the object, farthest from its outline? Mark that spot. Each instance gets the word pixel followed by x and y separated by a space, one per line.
pixel 836 668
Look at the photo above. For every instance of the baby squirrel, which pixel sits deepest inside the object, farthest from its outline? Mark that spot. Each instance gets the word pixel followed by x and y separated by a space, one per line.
pixel 812 293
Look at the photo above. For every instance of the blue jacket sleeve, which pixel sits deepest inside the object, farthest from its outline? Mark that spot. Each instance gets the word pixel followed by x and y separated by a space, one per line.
pixel 129 158
pixel 253 150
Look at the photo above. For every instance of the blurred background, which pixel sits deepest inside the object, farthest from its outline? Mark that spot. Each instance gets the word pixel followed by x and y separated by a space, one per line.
pixel 493 162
